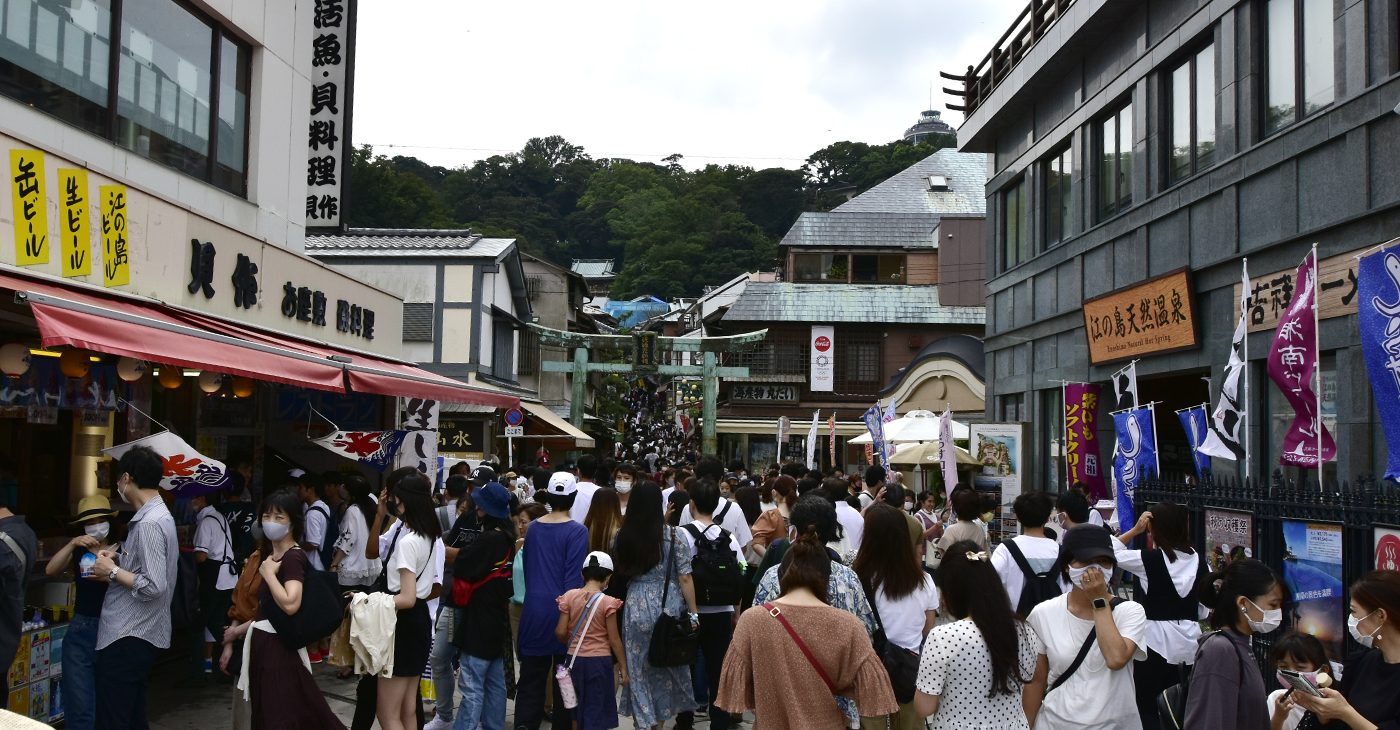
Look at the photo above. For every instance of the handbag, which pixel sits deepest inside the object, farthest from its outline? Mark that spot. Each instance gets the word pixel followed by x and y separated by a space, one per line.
pixel 674 641
pixel 319 615
pixel 812 659
pixel 901 664
pixel 1171 704
pixel 564 674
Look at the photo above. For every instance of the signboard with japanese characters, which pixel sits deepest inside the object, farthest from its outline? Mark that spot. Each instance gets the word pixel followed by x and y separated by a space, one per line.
pixel 762 393
pixel 31 207
pixel 328 131
pixel 1270 294
pixel 463 438
pixel 1155 316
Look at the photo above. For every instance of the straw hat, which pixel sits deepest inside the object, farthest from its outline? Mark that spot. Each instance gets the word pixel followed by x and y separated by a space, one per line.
pixel 94 506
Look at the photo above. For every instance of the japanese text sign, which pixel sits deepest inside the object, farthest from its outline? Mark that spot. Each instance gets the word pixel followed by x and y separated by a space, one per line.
pixel 1292 363
pixel 31 207
pixel 1081 437
pixel 116 252
pixel 1155 316
pixel 74 231
pixel 1271 294
pixel 328 129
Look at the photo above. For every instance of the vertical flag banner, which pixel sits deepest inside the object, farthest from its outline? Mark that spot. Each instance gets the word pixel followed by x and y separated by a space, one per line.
pixel 73 227
pixel 1292 364
pixel 31 207
pixel 812 443
pixel 823 354
pixel 1125 387
pixel 1194 421
pixel 1082 439
pixel 1379 314
pixel 116 259
pixel 876 427
pixel 947 457
pixel 1227 437
pixel 1137 458
pixel 887 418
pixel 831 439
pixel 782 435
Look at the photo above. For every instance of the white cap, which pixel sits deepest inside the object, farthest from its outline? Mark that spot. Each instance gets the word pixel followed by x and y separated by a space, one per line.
pixel 295 473
pixel 562 483
pixel 598 559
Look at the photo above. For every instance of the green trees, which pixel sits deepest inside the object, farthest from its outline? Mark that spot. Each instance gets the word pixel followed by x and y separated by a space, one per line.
pixel 672 231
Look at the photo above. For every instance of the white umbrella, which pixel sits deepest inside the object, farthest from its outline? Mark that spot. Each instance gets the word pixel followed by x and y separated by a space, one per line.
pixel 914 426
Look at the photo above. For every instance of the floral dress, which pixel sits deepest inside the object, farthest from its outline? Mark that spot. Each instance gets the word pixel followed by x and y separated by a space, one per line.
pixel 655 694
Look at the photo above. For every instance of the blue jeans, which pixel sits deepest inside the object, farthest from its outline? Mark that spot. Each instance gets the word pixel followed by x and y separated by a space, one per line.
pixel 443 661
pixel 483 685
pixel 80 673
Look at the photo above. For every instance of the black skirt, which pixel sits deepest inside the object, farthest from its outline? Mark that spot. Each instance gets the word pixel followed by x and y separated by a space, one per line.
pixel 413 640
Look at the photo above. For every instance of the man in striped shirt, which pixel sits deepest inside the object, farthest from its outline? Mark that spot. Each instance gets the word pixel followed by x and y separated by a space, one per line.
pixel 135 623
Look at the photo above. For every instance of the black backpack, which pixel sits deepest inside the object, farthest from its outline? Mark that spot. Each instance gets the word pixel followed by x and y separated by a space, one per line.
pixel 717 572
pixel 1038 587
pixel 184 603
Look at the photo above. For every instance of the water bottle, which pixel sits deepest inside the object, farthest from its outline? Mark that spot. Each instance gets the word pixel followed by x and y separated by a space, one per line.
pixel 566 686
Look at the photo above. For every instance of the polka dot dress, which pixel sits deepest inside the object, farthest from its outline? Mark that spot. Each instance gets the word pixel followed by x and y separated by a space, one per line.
pixel 957 667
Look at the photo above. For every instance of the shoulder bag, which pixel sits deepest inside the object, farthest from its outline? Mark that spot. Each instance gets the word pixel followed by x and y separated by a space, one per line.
pixel 563 673
pixel 318 616
pixel 1171 704
pixel 1083 651
pixel 776 613
pixel 674 640
pixel 901 664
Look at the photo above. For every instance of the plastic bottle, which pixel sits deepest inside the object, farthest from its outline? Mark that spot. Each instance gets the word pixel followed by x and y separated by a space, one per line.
pixel 566 686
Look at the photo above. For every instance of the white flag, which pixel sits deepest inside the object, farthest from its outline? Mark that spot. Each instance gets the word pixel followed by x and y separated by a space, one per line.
pixel 782 435
pixel 946 454
pixel 885 420
pixel 1125 387
pixel 1227 438
pixel 812 443
pixel 188 473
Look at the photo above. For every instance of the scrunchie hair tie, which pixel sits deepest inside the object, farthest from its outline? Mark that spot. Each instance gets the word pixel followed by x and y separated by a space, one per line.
pixel 977 556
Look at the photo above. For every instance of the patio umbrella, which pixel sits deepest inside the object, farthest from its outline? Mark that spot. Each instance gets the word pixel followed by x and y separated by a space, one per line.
pixel 914 426
pixel 927 454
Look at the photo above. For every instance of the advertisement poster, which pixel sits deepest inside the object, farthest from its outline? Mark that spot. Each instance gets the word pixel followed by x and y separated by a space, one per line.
pixel 1229 537
pixel 998 448
pixel 823 358
pixel 1081 438
pixel 1312 570
pixel 1387 548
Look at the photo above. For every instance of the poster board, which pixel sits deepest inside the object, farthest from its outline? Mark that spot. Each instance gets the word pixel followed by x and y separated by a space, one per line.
pixel 1387 543
pixel 1000 450
pixel 1312 572
pixel 1229 537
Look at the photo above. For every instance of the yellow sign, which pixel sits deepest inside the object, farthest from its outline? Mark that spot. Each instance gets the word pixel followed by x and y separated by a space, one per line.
pixel 75 234
pixel 1155 316
pixel 31 212
pixel 1271 293
pixel 116 257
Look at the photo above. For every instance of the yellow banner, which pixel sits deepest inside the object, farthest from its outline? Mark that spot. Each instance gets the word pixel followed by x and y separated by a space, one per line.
pixel 76 235
pixel 116 261
pixel 31 211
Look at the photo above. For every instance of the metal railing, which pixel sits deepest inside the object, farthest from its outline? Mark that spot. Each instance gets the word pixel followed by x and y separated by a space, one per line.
pixel 1028 28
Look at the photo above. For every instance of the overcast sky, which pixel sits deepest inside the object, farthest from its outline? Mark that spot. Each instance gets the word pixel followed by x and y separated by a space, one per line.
pixel 762 83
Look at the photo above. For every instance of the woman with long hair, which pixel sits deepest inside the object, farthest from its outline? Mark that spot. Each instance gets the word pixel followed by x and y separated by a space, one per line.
pixel 785 662
pixel 355 572
pixel 1227 689
pixel 1369 695
pixel 654 560
pixel 904 597
pixel 980 670
pixel 678 500
pixel 275 679
pixel 603 519
pixel 773 523
pixel 409 575
pixel 1165 580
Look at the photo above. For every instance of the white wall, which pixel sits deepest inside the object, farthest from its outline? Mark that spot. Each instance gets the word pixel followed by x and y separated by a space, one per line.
pixel 412 283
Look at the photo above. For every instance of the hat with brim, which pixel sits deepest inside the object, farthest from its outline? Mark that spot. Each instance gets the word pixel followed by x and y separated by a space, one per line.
pixel 493 499
pixel 1087 543
pixel 93 506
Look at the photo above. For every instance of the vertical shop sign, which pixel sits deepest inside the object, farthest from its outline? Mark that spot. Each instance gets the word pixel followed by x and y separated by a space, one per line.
pixel 116 257
pixel 328 132
pixel 823 352
pixel 1229 537
pixel 75 235
pixel 420 446
pixel 1082 438
pixel 997 448
pixel 31 208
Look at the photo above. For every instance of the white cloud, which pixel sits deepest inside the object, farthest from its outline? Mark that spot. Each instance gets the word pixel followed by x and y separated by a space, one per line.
pixel 729 79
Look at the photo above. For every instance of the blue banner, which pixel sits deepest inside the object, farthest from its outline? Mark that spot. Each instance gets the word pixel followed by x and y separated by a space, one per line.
pixel 1194 421
pixel 1137 458
pixel 874 422
pixel 1378 305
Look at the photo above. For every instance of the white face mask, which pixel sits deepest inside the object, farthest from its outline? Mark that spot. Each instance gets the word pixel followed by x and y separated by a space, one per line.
pixel 1076 575
pixel 275 530
pixel 98 531
pixel 1272 619
pixel 624 486
pixel 1366 640
pixel 909 506
pixel 121 493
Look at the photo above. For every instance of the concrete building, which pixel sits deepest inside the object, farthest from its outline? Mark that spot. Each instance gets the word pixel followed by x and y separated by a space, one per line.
pixel 1128 141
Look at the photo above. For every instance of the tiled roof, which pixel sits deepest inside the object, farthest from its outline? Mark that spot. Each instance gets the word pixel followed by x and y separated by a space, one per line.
pixel 407 242
pixel 908 191
pixel 874 303
pixel 843 230
pixel 593 268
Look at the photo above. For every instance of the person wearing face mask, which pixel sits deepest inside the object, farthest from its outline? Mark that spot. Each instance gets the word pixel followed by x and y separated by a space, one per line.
pixel 1369 695
pixel 218 574
pixel 967 505
pixel 624 478
pixel 1227 689
pixel 95 514
pixel 1094 692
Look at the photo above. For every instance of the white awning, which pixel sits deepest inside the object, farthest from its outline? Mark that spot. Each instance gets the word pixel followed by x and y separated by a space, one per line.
pixel 548 426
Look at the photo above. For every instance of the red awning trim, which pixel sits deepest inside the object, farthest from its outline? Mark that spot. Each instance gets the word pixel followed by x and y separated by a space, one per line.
pixel 367 380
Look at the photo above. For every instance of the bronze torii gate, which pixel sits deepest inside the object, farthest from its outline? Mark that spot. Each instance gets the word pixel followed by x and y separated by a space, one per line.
pixel 644 346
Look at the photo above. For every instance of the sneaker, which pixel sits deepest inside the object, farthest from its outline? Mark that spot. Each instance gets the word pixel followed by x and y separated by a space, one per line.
pixel 316 657
pixel 208 666
pixel 437 723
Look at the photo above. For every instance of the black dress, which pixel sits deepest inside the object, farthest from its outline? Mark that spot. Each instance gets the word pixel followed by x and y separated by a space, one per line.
pixel 1373 689
pixel 283 694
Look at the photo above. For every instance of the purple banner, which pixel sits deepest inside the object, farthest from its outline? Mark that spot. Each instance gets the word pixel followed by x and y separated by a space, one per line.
pixel 1292 363
pixel 1082 438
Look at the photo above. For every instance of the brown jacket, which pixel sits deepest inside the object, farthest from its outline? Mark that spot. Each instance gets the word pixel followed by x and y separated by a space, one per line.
pixel 245 594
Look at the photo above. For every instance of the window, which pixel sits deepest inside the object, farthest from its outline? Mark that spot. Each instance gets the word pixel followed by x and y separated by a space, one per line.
pixel 1191 104
pixel 881 268
pixel 530 353
pixel 820 267
pixel 503 350
pixel 858 363
pixel 1115 141
pixel 1014 225
pixel 781 353
pixel 60 58
pixel 1012 407
pixel 1059 180
pixel 1298 60
pixel 418 321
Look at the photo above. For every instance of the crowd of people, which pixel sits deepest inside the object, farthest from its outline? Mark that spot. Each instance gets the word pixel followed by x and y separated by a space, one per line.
pixel 608 590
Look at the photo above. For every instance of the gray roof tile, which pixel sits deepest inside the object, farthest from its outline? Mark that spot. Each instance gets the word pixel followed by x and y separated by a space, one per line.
pixel 843 230
pixel 874 303
pixel 907 191
pixel 407 242
pixel 593 268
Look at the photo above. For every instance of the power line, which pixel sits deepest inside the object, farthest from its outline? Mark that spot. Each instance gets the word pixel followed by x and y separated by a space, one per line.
pixel 488 149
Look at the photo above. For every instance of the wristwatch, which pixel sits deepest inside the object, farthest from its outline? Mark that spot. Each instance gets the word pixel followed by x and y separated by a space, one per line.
pixel 1100 603
pixel 112 576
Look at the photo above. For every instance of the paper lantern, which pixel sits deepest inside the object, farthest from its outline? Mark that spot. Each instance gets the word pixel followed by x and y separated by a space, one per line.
pixel 243 387
pixel 171 377
pixel 14 359
pixel 210 381
pixel 131 370
pixel 74 363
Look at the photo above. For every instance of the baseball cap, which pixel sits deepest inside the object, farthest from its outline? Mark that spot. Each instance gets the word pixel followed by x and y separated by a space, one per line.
pixel 562 483
pixel 1087 542
pixel 493 499
pixel 598 559
pixel 296 473
pixel 483 475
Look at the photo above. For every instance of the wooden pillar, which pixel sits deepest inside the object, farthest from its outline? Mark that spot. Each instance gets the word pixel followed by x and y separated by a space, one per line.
pixel 710 379
pixel 580 382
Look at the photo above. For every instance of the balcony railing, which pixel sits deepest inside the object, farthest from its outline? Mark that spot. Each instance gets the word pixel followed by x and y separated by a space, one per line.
pixel 1025 31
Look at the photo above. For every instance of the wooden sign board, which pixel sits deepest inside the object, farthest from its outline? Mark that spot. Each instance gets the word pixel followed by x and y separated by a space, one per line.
pixel 1155 316
pixel 1271 293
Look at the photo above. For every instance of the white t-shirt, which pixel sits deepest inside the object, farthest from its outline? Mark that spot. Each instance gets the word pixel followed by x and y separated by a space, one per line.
pixel 418 554
pixel 314 531
pixel 355 569
pixel 1174 640
pixel 733 521
pixel 583 500
pixel 213 539
pixel 1095 518
pixel 712 533
pixel 851 522
pixel 441 570
pixel 1040 552
pixel 1295 715
pixel 957 668
pixel 866 499
pixel 1094 697
pixel 904 619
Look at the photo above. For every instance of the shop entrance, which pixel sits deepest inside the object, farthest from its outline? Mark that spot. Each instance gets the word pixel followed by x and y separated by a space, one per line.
pixel 1173 392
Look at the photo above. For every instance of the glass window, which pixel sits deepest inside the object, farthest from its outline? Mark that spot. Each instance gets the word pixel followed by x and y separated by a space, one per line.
pixel 164 89
pixel 1014 225
pixel 878 268
pixel 858 365
pixel 1115 140
pixel 1192 115
pixel 1300 61
pixel 1059 181
pixel 234 70
pixel 820 267
pixel 54 57
pixel 1013 407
